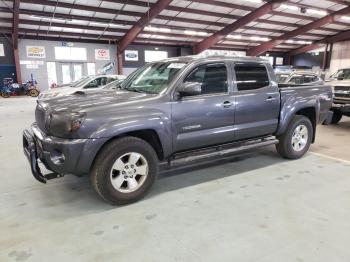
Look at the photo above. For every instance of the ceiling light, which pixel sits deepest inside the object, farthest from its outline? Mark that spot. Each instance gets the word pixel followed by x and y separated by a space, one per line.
pixel 255 1
pixel 157 29
pixel 158 36
pixel 316 12
pixel 235 36
pixel 50 18
pixel 304 42
pixel 290 41
pixel 291 7
pixel 98 23
pixel 346 18
pixel 116 25
pixel 258 38
pixel 190 32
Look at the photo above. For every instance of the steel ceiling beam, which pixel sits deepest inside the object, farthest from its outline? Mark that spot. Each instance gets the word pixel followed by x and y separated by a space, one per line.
pixel 331 39
pixel 15 26
pixel 299 31
pixel 195 38
pixel 227 5
pixel 70 36
pixel 173 8
pixel 144 21
pixel 83 7
pixel 178 19
pixel 220 35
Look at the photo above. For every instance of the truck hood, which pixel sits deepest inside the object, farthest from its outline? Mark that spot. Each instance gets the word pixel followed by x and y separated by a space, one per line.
pixel 95 100
pixel 61 91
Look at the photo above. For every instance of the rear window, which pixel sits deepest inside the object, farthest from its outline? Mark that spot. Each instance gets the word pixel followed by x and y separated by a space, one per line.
pixel 250 76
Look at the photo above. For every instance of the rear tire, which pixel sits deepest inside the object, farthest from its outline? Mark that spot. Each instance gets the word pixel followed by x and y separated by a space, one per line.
pixel 124 170
pixel 33 92
pixel 296 140
pixel 337 115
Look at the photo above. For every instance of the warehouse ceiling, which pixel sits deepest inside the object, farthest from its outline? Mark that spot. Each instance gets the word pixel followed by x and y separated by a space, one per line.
pixel 184 23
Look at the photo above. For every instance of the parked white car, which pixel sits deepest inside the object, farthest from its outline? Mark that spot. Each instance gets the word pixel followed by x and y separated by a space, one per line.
pixel 299 78
pixel 85 83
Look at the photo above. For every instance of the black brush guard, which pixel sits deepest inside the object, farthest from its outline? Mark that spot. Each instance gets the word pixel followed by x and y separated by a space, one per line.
pixel 30 151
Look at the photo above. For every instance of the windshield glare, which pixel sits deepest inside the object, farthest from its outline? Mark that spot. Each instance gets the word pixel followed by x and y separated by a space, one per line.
pixel 81 81
pixel 153 78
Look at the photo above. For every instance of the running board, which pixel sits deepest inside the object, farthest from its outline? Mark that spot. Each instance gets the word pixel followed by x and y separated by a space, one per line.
pixel 222 150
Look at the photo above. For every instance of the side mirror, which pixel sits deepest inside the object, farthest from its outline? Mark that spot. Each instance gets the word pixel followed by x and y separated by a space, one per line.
pixel 190 89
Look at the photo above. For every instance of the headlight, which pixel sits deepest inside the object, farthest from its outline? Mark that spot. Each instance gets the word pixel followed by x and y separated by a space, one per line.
pixel 64 124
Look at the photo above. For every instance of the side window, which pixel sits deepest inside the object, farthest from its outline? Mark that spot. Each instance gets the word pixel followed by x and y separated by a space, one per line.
pixel 250 76
pixel 110 79
pixel 296 80
pixel 92 84
pixel 309 79
pixel 212 77
pixel 102 81
pixel 346 73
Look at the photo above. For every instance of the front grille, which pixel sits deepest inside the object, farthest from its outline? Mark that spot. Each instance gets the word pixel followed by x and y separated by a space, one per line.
pixel 342 88
pixel 342 91
pixel 40 116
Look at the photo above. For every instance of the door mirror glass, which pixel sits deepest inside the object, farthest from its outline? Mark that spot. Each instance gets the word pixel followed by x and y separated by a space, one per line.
pixel 190 89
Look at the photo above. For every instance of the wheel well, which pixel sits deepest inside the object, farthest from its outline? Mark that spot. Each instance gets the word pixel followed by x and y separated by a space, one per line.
pixel 148 135
pixel 310 113
pixel 151 137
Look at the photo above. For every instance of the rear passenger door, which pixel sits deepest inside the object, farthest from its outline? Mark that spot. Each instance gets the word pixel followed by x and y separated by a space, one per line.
pixel 257 101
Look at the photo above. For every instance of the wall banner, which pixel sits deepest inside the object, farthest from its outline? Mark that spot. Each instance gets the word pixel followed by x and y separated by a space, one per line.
pixel 101 54
pixel 35 51
pixel 131 55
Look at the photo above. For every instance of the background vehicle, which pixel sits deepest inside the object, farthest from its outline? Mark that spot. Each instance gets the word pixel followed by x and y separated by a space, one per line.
pixel 85 83
pixel 182 109
pixel 341 94
pixel 299 78
pixel 9 88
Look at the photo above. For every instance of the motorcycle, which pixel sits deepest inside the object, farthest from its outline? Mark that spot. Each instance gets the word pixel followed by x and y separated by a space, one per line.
pixel 10 88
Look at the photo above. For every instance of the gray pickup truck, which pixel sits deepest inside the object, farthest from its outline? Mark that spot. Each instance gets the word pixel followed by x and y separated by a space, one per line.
pixel 341 94
pixel 172 112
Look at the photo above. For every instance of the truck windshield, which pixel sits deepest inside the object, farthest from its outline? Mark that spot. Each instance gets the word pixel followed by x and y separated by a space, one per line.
pixel 153 78
pixel 343 73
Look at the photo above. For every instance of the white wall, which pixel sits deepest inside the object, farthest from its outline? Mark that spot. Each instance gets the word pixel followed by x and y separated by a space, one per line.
pixel 340 56
pixel 40 73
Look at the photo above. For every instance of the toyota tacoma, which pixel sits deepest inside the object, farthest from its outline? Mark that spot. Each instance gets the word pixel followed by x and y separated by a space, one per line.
pixel 169 112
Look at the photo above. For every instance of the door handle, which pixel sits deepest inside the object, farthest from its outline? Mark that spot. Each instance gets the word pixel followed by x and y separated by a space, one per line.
pixel 271 99
pixel 227 104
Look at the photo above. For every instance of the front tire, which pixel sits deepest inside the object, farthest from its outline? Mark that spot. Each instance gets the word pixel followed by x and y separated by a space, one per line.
pixel 296 140
pixel 5 94
pixel 337 116
pixel 124 170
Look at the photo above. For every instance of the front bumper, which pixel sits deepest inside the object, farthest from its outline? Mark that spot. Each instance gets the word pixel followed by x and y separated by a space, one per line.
pixel 342 106
pixel 61 156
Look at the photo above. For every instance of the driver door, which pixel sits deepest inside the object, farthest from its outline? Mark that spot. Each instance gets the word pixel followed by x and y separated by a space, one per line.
pixel 207 118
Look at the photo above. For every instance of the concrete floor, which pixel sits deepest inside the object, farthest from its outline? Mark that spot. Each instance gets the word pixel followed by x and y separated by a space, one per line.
pixel 257 207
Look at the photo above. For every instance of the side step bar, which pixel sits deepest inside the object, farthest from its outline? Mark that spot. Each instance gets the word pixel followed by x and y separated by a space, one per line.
pixel 222 150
